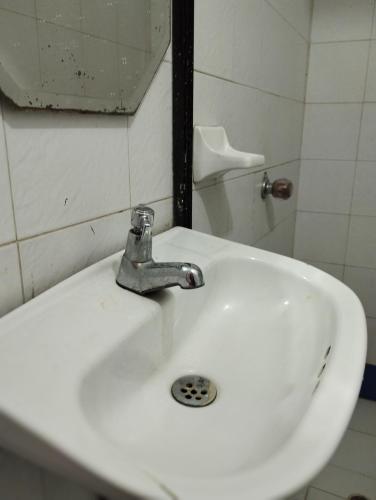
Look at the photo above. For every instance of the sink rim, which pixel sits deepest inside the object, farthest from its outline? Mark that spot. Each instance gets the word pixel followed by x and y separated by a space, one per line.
pixel 140 484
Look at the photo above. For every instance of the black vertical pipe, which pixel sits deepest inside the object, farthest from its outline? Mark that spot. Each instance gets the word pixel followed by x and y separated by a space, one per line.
pixel 182 109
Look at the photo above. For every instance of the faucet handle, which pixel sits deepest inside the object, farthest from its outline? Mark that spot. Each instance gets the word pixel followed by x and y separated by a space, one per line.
pixel 142 218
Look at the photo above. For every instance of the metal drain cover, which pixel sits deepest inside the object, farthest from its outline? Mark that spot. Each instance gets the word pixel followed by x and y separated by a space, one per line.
pixel 194 390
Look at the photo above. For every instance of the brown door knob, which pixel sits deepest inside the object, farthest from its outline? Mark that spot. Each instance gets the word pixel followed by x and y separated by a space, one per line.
pixel 282 188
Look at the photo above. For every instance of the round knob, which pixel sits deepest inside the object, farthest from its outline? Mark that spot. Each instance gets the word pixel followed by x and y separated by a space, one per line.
pixel 142 216
pixel 282 188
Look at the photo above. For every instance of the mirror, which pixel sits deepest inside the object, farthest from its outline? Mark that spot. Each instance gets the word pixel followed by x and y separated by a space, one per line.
pixel 87 55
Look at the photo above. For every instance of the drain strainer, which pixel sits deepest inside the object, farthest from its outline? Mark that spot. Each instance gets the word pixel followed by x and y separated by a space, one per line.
pixel 194 390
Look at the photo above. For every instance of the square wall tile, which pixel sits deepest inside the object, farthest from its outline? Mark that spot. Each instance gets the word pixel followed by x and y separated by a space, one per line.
pixel 335 270
pixel 7 230
pixel 10 280
pixel 337 72
pixel 280 239
pixel 367 142
pixel 150 142
pixel 284 57
pixel 363 282
pixel 214 35
pixel 371 76
pixel 364 417
pixel 371 354
pixel 46 260
pixel 315 494
pixel 225 210
pixel 58 488
pixel 362 242
pixel 357 452
pixel 65 167
pixel 214 47
pixel 364 199
pixel 331 131
pixel 249 22
pixel 19 479
pixel 283 130
pixel 321 237
pixel 337 20
pixel 326 186
pixel 342 483
pixel 301 495
pixel 297 12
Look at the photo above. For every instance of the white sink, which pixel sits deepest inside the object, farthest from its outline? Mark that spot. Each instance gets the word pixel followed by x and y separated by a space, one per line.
pixel 86 371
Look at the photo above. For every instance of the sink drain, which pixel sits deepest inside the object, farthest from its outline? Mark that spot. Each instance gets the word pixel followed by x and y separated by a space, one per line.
pixel 193 390
pixel 357 497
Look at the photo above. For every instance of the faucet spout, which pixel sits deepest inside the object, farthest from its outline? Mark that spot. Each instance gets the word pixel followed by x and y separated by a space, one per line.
pixel 140 273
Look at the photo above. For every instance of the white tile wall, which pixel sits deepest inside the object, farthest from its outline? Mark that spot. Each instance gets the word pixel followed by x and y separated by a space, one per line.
pixel 336 270
pixel 10 279
pixel 63 167
pixel 343 81
pixel 367 142
pixel 351 471
pixel 239 48
pixel 19 480
pixel 364 199
pixel 371 78
pixel 7 229
pixel 321 237
pixel 284 58
pixel 357 452
pixel 335 20
pixel 318 187
pixel 150 142
pixel 336 222
pixel 297 13
pixel 44 264
pixel 363 281
pixel 331 131
pixel 362 242
pixel 71 187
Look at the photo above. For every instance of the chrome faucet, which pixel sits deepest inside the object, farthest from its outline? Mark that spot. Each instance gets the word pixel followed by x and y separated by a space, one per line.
pixel 138 271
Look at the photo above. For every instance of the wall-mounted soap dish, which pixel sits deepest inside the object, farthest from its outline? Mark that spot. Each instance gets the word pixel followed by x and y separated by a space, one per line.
pixel 213 155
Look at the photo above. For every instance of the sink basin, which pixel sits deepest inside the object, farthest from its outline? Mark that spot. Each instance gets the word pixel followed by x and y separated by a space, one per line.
pixel 86 371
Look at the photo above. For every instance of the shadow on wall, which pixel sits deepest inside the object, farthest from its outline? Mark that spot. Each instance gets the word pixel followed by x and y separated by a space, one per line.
pixel 231 220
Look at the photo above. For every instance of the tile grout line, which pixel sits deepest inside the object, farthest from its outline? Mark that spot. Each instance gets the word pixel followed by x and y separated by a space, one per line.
pixel 358 141
pixel 12 202
pixel 129 160
pixel 287 22
pixel 218 180
pixel 348 214
pixel 289 216
pixel 240 84
pixel 303 125
pixel 86 221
